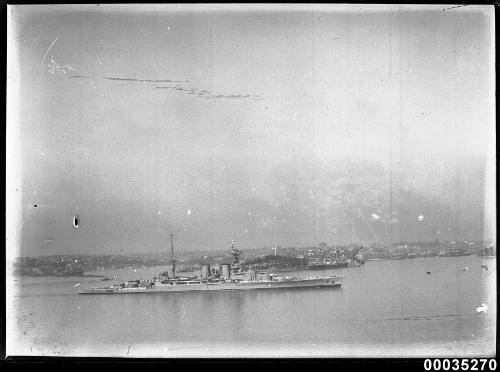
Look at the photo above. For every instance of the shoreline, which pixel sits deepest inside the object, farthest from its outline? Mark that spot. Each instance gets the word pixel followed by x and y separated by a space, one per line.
pixel 61 276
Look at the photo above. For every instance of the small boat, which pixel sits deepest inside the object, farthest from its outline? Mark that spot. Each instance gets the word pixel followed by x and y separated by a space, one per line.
pixel 397 256
pixel 353 263
pixel 455 253
pixel 326 266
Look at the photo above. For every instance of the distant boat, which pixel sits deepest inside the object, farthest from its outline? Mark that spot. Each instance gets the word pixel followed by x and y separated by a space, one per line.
pixel 429 254
pixel 326 266
pixel 398 256
pixel 455 253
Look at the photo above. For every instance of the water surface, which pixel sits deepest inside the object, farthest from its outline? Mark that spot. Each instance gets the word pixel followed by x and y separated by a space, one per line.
pixel 384 308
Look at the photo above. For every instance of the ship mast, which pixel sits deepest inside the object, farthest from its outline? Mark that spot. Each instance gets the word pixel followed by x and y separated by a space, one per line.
pixel 236 267
pixel 172 259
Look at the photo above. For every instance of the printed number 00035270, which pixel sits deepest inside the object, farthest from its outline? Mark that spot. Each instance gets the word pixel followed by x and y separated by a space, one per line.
pixel 460 364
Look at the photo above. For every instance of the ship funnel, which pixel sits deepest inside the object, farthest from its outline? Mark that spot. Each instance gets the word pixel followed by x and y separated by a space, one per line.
pixel 225 271
pixel 205 270
pixel 253 275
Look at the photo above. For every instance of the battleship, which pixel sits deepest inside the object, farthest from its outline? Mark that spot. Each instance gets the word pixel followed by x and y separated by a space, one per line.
pixel 229 277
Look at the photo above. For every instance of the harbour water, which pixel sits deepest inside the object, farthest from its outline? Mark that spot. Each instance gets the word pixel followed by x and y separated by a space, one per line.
pixel 385 308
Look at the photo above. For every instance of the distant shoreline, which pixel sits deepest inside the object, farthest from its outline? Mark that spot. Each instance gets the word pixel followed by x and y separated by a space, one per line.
pixel 61 276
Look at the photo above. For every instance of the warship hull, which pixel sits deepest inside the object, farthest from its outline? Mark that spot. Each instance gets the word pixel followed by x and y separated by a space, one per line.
pixel 330 282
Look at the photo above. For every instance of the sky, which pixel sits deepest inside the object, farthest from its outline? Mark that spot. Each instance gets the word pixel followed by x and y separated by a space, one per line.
pixel 288 125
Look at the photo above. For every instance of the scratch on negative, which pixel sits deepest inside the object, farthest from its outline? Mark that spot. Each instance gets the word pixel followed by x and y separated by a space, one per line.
pixel 454 7
pixel 47 51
